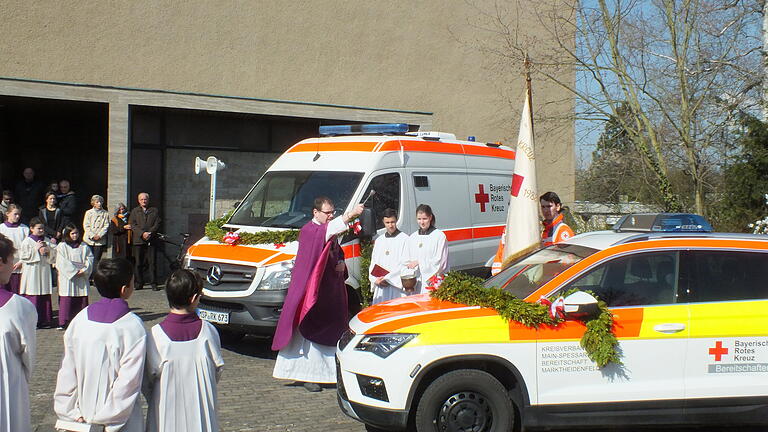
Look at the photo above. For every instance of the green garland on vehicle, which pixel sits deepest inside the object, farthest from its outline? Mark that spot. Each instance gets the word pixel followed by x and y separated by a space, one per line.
pixel 215 232
pixel 598 340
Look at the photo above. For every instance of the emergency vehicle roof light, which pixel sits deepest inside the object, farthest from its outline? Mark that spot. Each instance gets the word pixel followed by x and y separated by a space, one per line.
pixel 356 129
pixel 663 222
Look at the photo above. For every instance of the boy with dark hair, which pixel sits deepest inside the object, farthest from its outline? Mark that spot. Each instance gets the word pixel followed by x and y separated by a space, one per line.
pixel 18 318
pixel 183 357
pixel 37 254
pixel 104 349
pixel 389 256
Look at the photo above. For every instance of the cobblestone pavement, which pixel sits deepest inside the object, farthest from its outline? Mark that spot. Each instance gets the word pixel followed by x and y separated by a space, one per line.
pixel 249 398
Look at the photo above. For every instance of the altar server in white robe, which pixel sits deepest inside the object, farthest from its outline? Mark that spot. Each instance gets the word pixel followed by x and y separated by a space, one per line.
pixel 184 363
pixel 16 231
pixel 390 253
pixel 74 262
pixel 17 349
pixel 37 255
pixel 104 349
pixel 428 248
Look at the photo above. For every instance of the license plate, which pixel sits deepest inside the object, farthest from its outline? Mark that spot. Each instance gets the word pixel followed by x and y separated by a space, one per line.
pixel 217 317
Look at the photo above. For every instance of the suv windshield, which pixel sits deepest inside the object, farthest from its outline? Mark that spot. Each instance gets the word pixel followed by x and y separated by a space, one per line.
pixel 530 273
pixel 285 199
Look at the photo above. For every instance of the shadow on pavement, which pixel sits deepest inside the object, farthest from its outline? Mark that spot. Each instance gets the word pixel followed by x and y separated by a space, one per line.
pixel 252 346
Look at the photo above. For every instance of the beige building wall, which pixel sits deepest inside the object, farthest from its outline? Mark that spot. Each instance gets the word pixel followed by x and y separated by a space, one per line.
pixel 383 54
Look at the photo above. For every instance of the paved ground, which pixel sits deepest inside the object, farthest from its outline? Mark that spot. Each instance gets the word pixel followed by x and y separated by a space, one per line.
pixel 249 398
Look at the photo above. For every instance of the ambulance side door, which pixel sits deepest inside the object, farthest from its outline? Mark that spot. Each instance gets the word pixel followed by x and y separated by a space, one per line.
pixel 728 295
pixel 641 290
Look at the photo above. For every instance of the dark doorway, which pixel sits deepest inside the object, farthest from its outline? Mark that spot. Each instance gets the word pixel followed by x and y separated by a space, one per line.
pixel 58 139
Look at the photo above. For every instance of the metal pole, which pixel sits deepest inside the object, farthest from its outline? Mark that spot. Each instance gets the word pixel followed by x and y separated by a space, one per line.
pixel 212 207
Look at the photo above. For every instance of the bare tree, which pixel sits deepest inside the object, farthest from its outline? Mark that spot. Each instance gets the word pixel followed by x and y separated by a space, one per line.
pixel 672 72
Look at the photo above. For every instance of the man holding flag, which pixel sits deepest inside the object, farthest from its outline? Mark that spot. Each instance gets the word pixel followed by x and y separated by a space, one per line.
pixel 315 310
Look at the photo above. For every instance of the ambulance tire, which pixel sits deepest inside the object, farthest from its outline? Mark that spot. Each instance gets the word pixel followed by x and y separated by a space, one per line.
pixel 465 400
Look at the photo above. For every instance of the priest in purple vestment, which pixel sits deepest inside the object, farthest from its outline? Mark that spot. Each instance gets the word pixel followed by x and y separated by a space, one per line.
pixel 315 310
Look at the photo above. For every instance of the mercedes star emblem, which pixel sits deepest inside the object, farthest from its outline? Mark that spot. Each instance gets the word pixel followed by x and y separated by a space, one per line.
pixel 214 275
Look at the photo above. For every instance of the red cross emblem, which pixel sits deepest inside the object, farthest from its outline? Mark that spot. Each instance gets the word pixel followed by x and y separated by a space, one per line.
pixel 482 198
pixel 718 351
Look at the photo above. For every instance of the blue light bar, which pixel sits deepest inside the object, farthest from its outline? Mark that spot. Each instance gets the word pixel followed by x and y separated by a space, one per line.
pixel 386 128
pixel 663 222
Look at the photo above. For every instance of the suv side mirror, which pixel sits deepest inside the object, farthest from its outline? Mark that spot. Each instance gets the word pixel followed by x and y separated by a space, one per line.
pixel 580 305
pixel 366 222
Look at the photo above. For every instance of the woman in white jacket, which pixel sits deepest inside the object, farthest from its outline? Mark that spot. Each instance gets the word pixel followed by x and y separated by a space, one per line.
pixel 95 228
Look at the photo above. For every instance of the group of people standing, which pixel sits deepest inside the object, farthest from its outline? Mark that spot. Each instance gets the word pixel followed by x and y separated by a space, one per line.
pixel 315 312
pixel 109 357
pixel 52 251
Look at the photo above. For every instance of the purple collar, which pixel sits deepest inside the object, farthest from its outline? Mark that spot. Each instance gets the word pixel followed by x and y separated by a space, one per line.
pixel 180 328
pixel 73 245
pixel 12 225
pixel 36 238
pixel 4 297
pixel 107 310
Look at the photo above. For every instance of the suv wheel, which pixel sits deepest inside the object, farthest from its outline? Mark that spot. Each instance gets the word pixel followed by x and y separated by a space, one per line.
pixel 465 400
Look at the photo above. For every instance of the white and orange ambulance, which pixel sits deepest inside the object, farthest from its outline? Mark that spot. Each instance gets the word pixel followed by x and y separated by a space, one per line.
pixel 690 313
pixel 466 183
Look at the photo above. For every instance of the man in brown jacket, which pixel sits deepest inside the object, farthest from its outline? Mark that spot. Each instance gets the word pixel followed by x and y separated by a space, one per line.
pixel 144 222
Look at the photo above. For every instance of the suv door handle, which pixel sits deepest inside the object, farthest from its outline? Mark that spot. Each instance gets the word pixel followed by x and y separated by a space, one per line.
pixel 669 327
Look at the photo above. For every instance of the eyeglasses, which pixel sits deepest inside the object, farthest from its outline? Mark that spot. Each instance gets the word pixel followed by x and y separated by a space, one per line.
pixel 328 213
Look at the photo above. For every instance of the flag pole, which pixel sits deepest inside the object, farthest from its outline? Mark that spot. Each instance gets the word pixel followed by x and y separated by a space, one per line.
pixel 527 66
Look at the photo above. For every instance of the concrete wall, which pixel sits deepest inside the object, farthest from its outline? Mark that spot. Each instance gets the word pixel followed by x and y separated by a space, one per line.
pixel 187 194
pixel 386 54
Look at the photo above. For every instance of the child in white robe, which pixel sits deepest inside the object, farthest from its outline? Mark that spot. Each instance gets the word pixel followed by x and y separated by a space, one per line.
pixel 17 349
pixel 74 262
pixel 16 231
pixel 37 255
pixel 428 248
pixel 183 357
pixel 390 251
pixel 104 348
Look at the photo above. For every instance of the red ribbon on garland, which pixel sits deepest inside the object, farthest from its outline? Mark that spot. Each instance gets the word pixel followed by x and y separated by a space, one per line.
pixel 356 226
pixel 434 282
pixel 279 245
pixel 556 308
pixel 231 238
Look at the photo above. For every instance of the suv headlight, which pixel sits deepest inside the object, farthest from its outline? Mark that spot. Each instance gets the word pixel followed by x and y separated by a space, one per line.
pixel 279 279
pixel 384 344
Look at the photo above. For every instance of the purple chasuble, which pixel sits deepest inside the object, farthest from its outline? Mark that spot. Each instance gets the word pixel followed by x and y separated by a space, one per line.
pixel 327 318
pixel 4 297
pixel 107 310
pixel 180 328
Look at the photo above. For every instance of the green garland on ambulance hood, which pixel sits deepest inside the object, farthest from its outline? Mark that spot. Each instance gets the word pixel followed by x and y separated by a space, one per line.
pixel 598 340
pixel 215 232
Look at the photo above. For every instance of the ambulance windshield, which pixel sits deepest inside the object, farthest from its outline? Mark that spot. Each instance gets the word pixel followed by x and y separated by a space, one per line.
pixel 284 199
pixel 530 273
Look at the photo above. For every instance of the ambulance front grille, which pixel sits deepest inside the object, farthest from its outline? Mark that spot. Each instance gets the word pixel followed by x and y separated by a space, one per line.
pixel 231 277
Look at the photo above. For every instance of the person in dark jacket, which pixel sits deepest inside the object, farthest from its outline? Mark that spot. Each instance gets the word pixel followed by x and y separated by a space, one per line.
pixel 144 222
pixel 52 217
pixel 121 233
pixel 28 194
pixel 68 202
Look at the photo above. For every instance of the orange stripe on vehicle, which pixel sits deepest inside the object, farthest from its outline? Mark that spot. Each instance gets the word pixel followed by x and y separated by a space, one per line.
pixel 280 258
pixel 458 234
pixel 235 253
pixel 333 146
pixel 443 147
pixel 627 323
pixel 489 151
pixel 473 233
pixel 351 251
pixel 391 326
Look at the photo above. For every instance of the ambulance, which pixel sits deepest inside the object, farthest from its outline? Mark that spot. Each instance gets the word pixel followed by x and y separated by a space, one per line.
pixel 466 183
pixel 690 313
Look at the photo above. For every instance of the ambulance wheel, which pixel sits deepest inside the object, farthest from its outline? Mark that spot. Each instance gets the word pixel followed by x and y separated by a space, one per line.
pixel 230 336
pixel 465 400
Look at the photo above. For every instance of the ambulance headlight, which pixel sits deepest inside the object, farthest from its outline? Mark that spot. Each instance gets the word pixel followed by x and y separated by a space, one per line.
pixel 278 279
pixel 384 344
